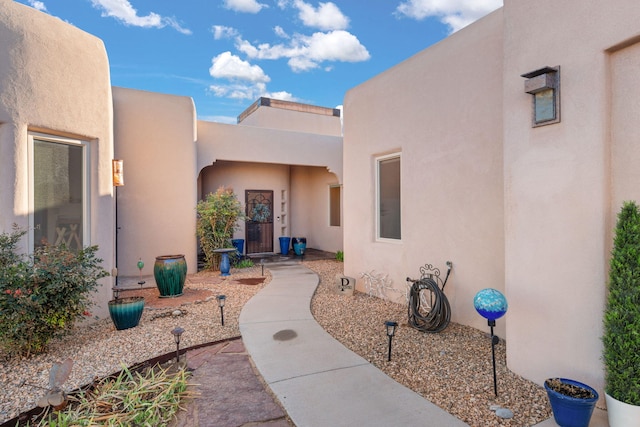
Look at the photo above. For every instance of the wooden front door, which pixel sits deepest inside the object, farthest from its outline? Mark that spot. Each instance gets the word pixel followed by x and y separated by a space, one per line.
pixel 259 229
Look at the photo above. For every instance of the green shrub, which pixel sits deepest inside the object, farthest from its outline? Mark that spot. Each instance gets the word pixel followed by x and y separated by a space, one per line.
pixel 43 294
pixel 340 256
pixel 244 263
pixel 621 337
pixel 218 217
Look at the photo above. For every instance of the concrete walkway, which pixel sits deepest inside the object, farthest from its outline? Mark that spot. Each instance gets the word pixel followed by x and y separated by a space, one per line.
pixel 318 381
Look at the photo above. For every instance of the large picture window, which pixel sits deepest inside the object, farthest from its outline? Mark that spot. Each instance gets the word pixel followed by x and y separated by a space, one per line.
pixel 59 200
pixel 388 200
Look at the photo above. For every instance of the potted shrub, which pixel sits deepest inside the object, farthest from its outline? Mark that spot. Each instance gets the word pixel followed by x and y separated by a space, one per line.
pixel 621 338
pixel 218 216
pixel 572 402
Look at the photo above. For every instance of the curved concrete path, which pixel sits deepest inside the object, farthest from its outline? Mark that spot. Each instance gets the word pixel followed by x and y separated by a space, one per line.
pixel 318 381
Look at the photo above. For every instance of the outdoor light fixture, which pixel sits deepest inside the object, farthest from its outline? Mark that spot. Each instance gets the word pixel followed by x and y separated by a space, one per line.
pixel 177 332
pixel 391 330
pixel 118 172
pixel 491 305
pixel 544 85
pixel 221 301
pixel 140 267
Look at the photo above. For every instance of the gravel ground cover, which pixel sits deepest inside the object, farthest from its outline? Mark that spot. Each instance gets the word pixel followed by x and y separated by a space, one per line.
pixel 451 369
pixel 99 349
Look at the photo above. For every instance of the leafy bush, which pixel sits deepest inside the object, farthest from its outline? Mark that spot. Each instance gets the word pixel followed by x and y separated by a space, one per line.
pixel 218 217
pixel 340 256
pixel 245 263
pixel 43 294
pixel 621 337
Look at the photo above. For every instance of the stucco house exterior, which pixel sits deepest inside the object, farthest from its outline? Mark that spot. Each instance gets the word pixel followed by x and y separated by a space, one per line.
pixel 526 208
pixel 506 148
pixel 61 127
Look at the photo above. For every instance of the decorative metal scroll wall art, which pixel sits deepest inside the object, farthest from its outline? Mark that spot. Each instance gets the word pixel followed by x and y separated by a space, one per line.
pixel 429 309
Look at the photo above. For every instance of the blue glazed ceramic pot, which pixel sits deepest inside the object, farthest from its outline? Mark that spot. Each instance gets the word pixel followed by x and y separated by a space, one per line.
pixel 126 312
pixel 170 272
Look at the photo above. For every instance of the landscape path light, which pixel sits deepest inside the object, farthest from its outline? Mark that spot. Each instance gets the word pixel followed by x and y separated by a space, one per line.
pixel 221 301
pixel 391 330
pixel 491 305
pixel 177 333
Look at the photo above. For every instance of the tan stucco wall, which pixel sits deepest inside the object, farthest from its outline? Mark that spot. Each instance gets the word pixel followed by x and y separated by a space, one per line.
pixel 218 141
pixel 442 109
pixel 241 176
pixel 558 189
pixel 310 208
pixel 295 121
pixel 155 136
pixel 54 78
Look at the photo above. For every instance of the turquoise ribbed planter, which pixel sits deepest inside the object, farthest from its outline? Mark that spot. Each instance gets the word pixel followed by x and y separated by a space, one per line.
pixel 126 312
pixel 170 272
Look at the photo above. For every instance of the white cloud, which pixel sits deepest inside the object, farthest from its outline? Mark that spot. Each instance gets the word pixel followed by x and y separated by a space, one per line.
pixel 124 12
pixel 38 5
pixel 280 32
pixel 455 13
pixel 231 67
pixel 222 32
pixel 326 17
pixel 248 6
pixel 307 52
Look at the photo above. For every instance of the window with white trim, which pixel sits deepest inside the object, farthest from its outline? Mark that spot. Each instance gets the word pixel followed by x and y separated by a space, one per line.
pixel 388 197
pixel 59 202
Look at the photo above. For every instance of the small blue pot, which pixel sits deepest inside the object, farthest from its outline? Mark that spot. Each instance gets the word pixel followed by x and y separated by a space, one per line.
pixel 570 411
pixel 126 312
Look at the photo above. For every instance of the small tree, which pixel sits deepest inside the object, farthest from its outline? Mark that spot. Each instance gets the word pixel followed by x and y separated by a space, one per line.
pixel 621 337
pixel 218 217
pixel 41 296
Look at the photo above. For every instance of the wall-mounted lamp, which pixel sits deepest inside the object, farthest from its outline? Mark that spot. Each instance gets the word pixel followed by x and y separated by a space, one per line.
pixel 391 330
pixel 544 85
pixel 118 172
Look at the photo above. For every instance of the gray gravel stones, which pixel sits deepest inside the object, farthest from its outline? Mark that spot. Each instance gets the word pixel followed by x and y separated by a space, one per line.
pixel 452 369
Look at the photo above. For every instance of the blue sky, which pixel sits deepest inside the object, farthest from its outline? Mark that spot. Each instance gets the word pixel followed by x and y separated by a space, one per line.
pixel 225 54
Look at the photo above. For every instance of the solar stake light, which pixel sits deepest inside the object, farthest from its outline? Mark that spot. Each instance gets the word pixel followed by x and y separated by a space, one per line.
pixel 177 333
pixel 391 330
pixel 221 301
pixel 491 305
pixel 140 267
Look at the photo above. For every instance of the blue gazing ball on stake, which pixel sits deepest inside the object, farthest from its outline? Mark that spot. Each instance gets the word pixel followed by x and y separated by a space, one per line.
pixel 140 264
pixel 490 304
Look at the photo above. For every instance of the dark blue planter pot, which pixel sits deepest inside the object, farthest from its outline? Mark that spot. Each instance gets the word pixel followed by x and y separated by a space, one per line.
pixel 170 272
pixel 570 411
pixel 225 265
pixel 299 245
pixel 126 312
pixel 284 245
pixel 239 245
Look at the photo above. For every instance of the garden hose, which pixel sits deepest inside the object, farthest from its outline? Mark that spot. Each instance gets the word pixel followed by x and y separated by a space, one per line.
pixel 432 312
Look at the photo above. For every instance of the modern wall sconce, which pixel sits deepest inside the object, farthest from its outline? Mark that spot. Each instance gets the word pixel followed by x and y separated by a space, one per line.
pixel 544 85
pixel 118 172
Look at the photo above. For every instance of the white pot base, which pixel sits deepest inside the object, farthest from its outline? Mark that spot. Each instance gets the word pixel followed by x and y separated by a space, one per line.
pixel 622 414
